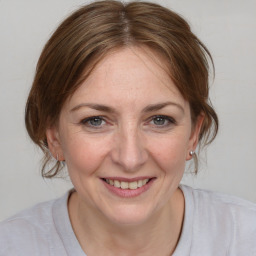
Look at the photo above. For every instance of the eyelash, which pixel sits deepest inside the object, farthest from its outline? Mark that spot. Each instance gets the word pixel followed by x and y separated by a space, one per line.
pixel 170 121
pixel 87 121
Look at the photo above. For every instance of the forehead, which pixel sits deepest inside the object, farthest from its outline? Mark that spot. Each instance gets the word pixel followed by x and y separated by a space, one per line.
pixel 129 75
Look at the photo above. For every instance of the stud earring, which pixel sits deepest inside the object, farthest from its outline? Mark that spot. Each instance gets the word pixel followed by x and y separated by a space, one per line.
pixel 191 153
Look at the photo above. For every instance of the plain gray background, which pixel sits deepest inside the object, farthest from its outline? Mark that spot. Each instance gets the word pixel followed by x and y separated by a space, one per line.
pixel 228 28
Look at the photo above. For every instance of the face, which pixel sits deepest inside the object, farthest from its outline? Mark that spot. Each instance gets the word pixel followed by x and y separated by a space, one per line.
pixel 125 135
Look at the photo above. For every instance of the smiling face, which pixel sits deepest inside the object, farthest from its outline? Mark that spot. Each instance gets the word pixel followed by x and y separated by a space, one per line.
pixel 125 135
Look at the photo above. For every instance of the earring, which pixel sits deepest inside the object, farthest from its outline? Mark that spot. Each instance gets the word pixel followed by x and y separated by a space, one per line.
pixel 58 161
pixel 191 153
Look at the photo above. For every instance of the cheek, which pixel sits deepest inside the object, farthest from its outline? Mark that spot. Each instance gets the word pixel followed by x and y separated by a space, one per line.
pixel 83 155
pixel 170 154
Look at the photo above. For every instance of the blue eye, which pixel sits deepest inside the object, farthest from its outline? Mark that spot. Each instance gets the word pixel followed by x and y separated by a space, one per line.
pixel 162 120
pixel 159 121
pixel 95 121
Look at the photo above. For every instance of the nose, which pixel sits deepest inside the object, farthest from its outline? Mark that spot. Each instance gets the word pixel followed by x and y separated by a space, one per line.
pixel 129 150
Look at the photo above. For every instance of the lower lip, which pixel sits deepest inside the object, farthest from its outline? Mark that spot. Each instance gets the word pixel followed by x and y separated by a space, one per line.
pixel 127 193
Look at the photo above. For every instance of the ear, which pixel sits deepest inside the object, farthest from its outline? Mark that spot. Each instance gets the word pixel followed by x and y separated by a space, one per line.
pixel 53 140
pixel 194 137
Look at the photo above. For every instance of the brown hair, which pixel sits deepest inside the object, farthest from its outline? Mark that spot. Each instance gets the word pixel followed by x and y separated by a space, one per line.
pixel 86 36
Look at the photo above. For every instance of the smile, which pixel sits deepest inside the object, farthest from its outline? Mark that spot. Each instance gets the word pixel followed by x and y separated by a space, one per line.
pixel 127 185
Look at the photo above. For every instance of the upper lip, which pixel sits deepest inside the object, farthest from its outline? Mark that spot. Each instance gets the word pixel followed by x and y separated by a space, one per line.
pixel 128 179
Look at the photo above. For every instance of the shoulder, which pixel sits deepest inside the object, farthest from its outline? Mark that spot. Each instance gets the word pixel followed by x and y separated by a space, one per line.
pixel 233 206
pixel 229 219
pixel 203 196
pixel 28 232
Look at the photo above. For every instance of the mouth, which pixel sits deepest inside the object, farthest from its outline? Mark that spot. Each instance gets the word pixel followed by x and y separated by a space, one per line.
pixel 131 185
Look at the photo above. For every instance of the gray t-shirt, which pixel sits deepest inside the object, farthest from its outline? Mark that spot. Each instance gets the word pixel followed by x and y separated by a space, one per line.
pixel 214 225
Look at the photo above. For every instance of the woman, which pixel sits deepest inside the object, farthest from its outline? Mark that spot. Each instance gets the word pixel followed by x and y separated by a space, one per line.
pixel 120 97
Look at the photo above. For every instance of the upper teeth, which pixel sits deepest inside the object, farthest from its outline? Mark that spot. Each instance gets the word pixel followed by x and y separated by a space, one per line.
pixel 126 185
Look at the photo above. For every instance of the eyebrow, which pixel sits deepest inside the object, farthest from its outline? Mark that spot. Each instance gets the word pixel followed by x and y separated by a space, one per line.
pixel 155 107
pixel 94 106
pixel 149 108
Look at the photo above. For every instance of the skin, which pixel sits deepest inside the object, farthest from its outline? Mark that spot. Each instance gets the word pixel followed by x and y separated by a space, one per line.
pixel 142 128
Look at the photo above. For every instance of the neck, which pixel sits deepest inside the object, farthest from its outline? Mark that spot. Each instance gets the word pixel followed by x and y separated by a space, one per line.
pixel 157 236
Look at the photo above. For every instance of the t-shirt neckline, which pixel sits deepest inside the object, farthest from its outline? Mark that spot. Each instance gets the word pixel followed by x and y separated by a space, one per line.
pixel 70 243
